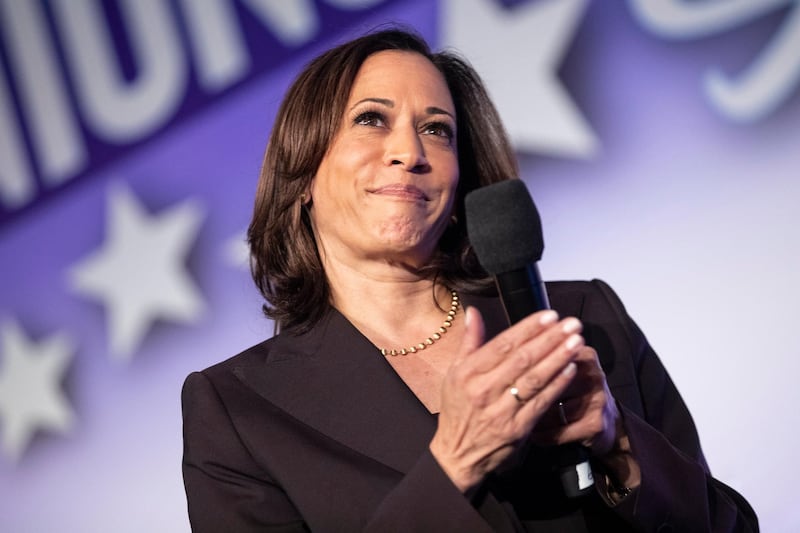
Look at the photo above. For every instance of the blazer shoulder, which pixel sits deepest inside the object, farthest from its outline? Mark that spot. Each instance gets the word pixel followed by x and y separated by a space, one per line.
pixel 593 287
pixel 253 355
pixel 260 359
pixel 584 298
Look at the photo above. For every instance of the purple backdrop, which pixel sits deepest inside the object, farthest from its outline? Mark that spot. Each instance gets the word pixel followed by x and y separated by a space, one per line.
pixel 667 167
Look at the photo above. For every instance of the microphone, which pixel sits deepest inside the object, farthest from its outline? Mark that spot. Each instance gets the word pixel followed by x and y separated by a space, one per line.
pixel 505 230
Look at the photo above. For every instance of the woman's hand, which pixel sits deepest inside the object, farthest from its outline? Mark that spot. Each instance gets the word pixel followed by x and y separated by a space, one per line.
pixel 585 413
pixel 481 420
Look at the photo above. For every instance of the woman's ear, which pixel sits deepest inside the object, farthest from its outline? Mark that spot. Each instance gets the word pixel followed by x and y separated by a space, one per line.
pixel 305 197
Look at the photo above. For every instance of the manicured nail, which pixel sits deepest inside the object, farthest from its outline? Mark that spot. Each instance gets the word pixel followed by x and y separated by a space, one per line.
pixel 569 369
pixel 571 325
pixel 573 341
pixel 468 316
pixel 548 317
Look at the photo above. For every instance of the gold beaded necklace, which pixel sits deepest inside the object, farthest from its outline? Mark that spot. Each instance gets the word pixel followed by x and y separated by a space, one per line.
pixel 448 321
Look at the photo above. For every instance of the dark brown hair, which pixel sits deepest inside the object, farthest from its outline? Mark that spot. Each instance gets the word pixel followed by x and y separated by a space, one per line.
pixel 285 263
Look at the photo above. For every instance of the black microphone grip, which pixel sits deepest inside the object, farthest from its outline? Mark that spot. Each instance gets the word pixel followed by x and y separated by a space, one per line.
pixel 505 230
pixel 522 293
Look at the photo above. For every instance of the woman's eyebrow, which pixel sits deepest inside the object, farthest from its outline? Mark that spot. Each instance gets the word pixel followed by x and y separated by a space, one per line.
pixel 384 101
pixel 433 110
pixel 438 111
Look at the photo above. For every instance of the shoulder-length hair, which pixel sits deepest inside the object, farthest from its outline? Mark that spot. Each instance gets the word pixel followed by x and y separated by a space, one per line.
pixel 285 262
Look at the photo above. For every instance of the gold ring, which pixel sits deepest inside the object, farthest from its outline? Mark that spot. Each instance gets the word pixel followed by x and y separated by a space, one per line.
pixel 514 391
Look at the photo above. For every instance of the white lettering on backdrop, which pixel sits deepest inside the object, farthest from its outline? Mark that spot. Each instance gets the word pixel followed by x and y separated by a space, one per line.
pixel 766 83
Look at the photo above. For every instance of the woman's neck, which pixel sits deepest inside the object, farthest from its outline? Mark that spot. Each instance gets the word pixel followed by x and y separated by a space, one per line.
pixel 394 307
pixel 391 304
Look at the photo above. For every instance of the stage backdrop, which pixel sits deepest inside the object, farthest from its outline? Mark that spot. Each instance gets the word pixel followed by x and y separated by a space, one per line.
pixel 658 137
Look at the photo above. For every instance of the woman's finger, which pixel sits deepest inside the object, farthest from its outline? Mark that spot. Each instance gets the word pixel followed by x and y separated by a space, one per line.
pixel 537 361
pixel 589 418
pixel 506 343
pixel 563 412
pixel 531 411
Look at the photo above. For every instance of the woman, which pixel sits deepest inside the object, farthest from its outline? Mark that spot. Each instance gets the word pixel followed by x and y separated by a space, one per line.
pixel 395 398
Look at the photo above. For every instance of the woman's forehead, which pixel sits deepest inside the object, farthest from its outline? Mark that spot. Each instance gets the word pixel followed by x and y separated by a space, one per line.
pixel 401 73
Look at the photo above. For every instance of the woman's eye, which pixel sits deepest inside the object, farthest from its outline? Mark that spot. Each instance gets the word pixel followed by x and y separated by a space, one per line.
pixel 439 129
pixel 370 118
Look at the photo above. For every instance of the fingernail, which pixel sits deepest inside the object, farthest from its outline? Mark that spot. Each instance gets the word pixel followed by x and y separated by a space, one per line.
pixel 571 325
pixel 468 316
pixel 573 341
pixel 569 370
pixel 548 317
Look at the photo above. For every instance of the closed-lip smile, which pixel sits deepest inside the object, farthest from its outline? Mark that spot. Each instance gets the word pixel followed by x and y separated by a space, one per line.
pixel 402 191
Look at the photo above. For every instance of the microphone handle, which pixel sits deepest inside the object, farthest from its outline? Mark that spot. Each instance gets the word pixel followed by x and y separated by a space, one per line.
pixel 522 293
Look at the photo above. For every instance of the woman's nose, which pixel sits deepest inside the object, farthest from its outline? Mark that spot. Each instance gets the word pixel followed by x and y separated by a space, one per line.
pixel 404 147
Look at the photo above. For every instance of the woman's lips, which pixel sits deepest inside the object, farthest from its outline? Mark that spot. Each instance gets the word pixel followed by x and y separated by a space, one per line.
pixel 398 190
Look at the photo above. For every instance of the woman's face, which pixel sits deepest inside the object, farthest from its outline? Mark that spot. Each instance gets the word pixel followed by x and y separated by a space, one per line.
pixel 386 187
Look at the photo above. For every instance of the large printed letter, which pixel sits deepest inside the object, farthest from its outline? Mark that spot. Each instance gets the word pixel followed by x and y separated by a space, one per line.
pixel 55 135
pixel 16 182
pixel 115 109
pixel 220 54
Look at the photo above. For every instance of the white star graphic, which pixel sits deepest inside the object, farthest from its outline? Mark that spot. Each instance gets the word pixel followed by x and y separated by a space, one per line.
pixel 30 392
pixel 139 274
pixel 517 53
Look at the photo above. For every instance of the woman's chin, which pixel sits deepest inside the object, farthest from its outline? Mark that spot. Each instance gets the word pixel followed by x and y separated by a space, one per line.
pixel 406 240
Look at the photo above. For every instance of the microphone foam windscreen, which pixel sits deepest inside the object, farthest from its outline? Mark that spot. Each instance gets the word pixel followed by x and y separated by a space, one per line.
pixel 504 227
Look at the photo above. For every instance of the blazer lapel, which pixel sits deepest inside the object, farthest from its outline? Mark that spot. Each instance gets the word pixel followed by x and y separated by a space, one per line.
pixel 334 380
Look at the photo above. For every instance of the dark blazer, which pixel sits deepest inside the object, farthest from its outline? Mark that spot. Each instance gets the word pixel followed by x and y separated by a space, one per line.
pixel 317 432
